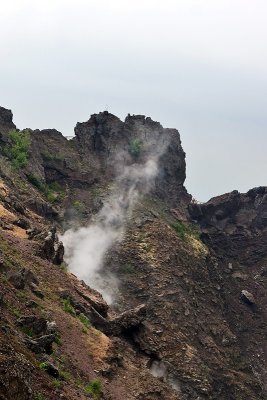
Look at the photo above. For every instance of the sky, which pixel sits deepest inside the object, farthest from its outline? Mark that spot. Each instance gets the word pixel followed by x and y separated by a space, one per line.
pixel 196 65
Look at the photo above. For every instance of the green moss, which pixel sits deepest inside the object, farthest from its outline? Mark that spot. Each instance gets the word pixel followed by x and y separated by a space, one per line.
pixel 94 388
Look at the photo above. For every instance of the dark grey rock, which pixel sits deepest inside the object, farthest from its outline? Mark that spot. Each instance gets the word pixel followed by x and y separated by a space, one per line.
pixel 248 297
pixel 43 344
pixel 38 325
pixel 51 369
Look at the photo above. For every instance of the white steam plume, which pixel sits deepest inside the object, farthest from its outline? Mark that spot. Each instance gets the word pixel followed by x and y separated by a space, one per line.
pixel 85 248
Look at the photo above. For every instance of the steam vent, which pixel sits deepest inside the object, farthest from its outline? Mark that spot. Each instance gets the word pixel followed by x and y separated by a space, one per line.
pixel 115 284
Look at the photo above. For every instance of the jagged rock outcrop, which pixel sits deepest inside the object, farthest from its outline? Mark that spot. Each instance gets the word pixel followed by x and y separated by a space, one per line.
pixel 6 121
pixel 52 248
pixel 235 224
pixel 108 139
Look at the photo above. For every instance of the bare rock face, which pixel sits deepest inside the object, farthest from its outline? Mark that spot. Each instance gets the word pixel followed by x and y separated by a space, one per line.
pixel 235 224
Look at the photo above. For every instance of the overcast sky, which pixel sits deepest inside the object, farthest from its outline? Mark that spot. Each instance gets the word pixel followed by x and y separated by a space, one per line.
pixel 196 65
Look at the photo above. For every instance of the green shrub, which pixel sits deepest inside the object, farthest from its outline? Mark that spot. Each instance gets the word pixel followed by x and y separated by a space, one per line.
pixel 18 148
pixel 84 320
pixel 180 229
pixel 135 148
pixel 94 388
pixel 68 307
pixel 36 182
pixel 66 376
pixel 43 366
pixel 57 383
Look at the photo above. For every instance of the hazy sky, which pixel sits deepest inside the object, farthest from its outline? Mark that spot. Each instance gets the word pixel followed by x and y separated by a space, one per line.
pixel 196 65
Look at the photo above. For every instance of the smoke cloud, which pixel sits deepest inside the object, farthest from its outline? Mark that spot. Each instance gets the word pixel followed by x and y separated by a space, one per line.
pixel 86 247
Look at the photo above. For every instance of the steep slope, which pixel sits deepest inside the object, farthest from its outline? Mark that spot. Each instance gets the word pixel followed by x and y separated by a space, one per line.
pixel 181 325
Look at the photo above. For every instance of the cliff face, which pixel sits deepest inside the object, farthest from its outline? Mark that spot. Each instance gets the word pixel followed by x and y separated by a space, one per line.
pixel 105 137
pixel 235 224
pixel 188 320
pixel 234 227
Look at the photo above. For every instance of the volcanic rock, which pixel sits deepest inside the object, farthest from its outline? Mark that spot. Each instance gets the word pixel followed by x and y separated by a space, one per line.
pixel 248 297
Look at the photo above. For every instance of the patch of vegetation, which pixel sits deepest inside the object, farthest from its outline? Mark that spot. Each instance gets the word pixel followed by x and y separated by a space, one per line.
pixel 180 229
pixel 36 182
pixel 4 278
pixel 84 320
pixel 43 366
pixel 57 339
pixel 16 312
pixel 96 191
pixel 66 375
pixel 128 268
pixel 17 151
pixel 94 388
pixel 78 206
pixel 39 396
pixel 63 266
pixel 53 192
pixel 184 230
pixel 12 255
pixel 57 383
pixel 68 308
pixel 28 331
pixel 135 147
pixel 51 157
